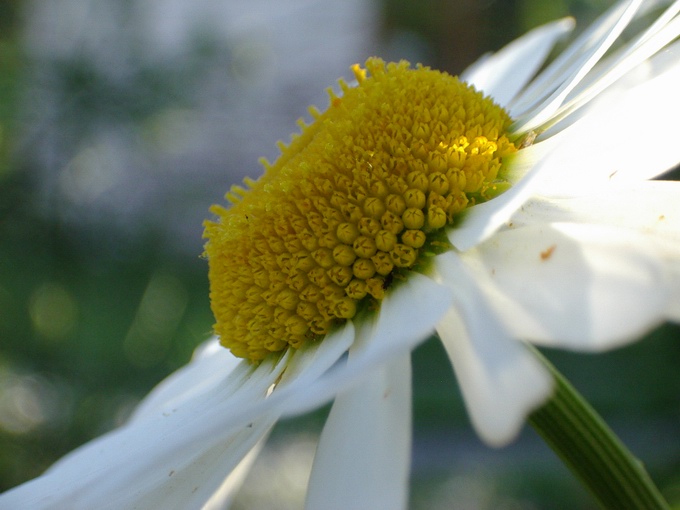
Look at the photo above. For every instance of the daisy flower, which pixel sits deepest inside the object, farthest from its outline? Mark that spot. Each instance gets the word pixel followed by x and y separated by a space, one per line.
pixel 495 209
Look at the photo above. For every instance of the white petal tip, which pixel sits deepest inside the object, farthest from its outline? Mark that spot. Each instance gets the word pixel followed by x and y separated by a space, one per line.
pixel 504 427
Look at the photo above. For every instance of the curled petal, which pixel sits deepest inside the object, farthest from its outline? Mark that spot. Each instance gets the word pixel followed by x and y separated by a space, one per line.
pixel 501 381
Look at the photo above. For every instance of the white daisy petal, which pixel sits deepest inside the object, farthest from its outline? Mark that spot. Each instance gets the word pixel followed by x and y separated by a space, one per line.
pixel 500 380
pixel 570 68
pixel 220 467
pixel 649 207
pixel 657 37
pixel 225 493
pixel 364 453
pixel 646 207
pixel 210 364
pixel 302 373
pixel 503 74
pixel 577 286
pixel 227 413
pixel 405 319
pixel 315 358
pixel 121 468
pixel 591 154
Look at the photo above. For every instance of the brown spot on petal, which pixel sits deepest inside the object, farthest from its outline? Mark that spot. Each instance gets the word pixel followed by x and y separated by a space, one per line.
pixel 547 253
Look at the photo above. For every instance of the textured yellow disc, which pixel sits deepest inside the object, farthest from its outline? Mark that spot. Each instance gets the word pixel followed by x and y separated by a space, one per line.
pixel 354 198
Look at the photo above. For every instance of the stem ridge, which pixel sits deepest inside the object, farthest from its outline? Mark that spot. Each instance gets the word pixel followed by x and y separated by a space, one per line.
pixel 591 450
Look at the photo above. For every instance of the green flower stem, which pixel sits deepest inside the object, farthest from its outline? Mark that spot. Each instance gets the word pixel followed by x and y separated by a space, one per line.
pixel 585 443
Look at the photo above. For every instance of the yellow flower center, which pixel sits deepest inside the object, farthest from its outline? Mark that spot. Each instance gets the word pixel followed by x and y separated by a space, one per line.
pixel 357 199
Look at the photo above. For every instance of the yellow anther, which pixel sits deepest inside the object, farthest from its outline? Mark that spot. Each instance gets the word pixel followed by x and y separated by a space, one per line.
pixel 296 341
pixel 414 198
pixel 353 212
pixel 356 289
pixel 413 218
pixel 368 226
pixel 344 255
pixel 276 244
pixel 308 240
pixel 363 269
pixel 374 207
pixel 287 299
pixel 318 277
pixel 421 131
pixel 324 257
pixel 297 281
pixel 474 178
pixel 392 223
pixel 303 261
pixel 359 73
pixel 403 256
pixel 383 263
pixel 395 204
pixel 378 189
pixel 296 325
pixel 459 202
pixel 340 275
pixel 417 180
pixel 274 344
pixel 438 161
pixel 260 277
pixel 413 238
pixel 311 293
pixel 320 326
pixel 364 246
pixel 306 310
pixel 346 308
pixel 374 287
pixel 347 232
pixel 396 183
pixel 436 218
pixel 439 183
pixel 253 295
pixel 385 240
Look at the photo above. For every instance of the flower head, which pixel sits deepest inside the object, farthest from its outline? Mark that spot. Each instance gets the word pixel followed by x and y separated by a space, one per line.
pixel 416 204
pixel 357 200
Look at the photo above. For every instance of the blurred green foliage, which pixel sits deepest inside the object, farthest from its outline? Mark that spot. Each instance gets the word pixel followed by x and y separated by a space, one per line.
pixel 84 335
pixel 87 330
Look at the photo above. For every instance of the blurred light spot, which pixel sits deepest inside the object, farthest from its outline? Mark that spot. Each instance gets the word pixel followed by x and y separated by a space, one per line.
pixel 172 130
pixel 53 311
pixel 158 316
pixel 29 401
pixel 253 61
pixel 89 174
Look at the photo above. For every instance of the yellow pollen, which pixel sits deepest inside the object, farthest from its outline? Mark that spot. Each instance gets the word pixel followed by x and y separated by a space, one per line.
pixel 352 205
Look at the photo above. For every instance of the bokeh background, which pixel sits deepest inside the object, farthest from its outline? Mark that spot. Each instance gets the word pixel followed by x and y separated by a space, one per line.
pixel 122 121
